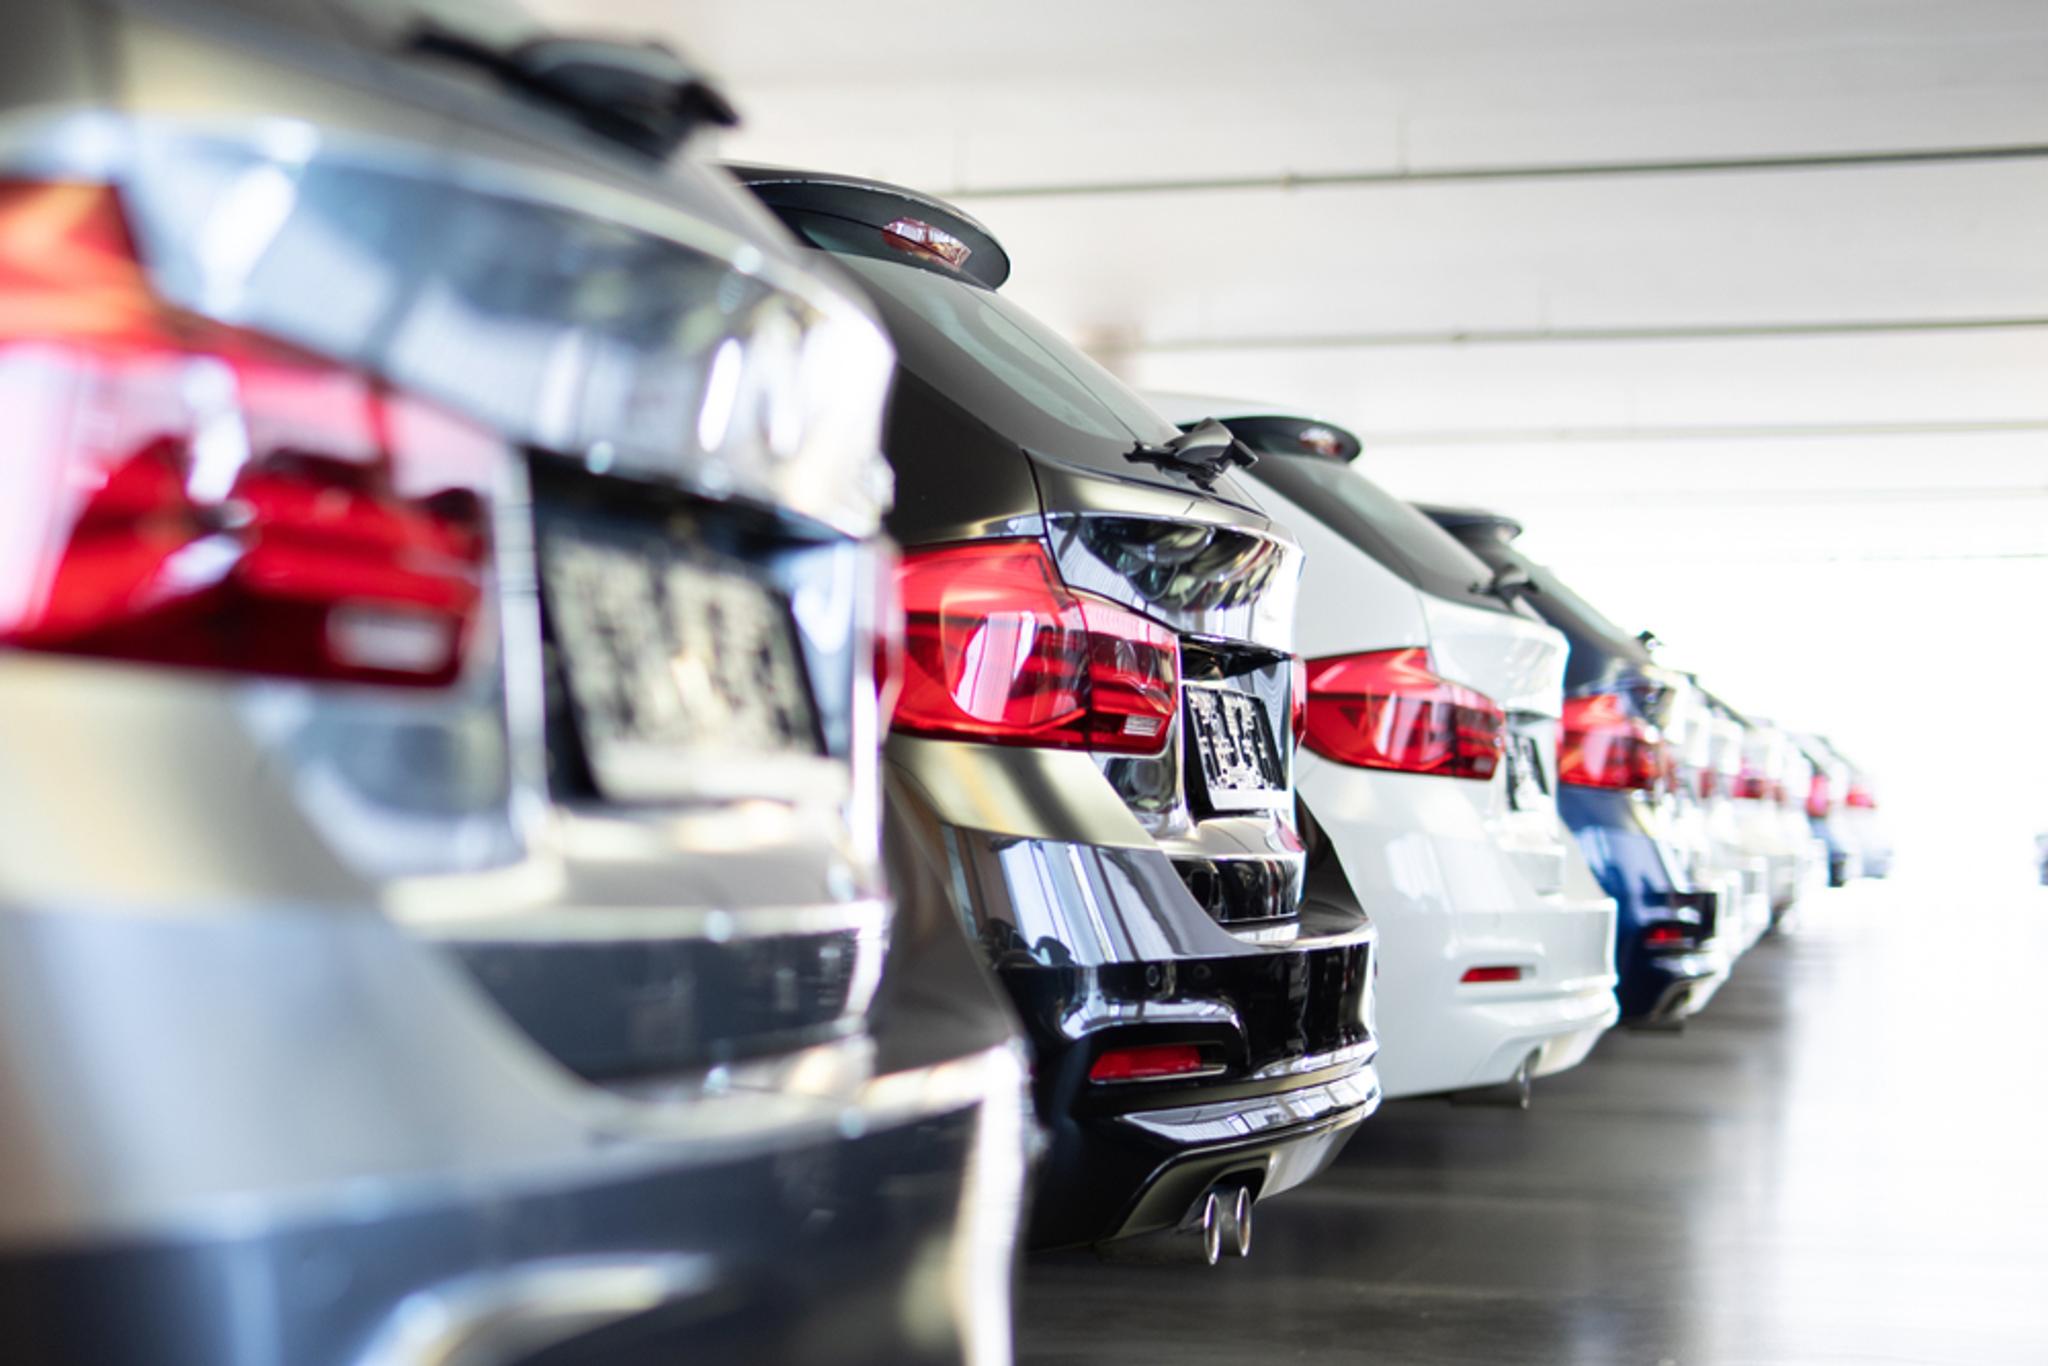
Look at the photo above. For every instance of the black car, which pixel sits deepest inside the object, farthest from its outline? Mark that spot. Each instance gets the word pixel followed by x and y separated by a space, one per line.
pixel 442 907
pixel 1092 747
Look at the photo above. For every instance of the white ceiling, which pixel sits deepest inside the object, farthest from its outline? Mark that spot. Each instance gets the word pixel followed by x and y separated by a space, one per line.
pixel 1795 415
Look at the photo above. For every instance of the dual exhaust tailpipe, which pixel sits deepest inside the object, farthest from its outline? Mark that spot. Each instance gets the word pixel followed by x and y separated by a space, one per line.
pixel 1217 1225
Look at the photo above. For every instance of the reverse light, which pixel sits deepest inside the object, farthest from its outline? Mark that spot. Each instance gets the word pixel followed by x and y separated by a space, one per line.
pixel 1492 974
pixel 1389 709
pixel 997 649
pixel 181 492
pixel 1151 1062
pixel 1600 744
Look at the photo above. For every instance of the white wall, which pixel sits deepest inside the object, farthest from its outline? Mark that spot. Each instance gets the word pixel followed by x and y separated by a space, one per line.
pixel 1795 418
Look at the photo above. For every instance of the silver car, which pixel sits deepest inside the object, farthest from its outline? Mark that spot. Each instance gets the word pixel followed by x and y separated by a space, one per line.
pixel 441 912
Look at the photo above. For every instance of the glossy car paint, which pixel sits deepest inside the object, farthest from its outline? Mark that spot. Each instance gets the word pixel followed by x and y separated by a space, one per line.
pixel 1455 875
pixel 351 1024
pixel 1704 744
pixel 1114 906
pixel 1631 838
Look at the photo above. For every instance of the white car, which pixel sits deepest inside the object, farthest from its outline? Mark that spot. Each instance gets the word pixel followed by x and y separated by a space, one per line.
pixel 1429 769
pixel 1772 789
pixel 1707 754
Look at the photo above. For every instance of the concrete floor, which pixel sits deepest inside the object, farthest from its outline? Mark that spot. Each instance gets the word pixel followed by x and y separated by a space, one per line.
pixel 1844 1161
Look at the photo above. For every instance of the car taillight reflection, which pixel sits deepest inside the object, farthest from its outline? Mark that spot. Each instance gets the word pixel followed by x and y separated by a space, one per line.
pixel 185 493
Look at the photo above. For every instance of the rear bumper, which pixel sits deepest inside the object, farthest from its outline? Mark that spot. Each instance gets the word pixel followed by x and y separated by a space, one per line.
pixel 1653 988
pixel 300 1138
pixel 1099 944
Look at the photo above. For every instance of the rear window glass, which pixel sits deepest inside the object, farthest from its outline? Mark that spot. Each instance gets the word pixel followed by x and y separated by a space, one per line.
pixel 1564 609
pixel 1007 367
pixel 1383 526
pixel 1026 382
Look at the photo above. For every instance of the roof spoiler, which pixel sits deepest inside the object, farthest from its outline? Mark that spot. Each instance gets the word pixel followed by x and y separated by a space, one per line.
pixel 881 206
pixel 1277 434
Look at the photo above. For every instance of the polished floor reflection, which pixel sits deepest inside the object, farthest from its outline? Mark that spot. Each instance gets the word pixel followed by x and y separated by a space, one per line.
pixel 1844 1161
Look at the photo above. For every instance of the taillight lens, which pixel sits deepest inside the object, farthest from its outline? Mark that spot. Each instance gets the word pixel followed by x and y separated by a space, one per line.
pixel 1492 974
pixel 997 649
pixel 1750 785
pixel 1601 744
pixel 1819 797
pixel 181 492
pixel 1860 797
pixel 1389 709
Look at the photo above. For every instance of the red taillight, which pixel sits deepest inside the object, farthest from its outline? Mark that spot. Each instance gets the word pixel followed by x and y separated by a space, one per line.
pixel 1819 797
pixel 1492 974
pixel 185 493
pixel 1860 797
pixel 1149 1062
pixel 1669 936
pixel 1709 783
pixel 997 649
pixel 1297 697
pixel 1601 745
pixel 1389 709
pixel 1750 785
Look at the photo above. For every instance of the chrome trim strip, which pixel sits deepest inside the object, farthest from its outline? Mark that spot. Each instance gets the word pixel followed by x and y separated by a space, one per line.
pixel 1346 1100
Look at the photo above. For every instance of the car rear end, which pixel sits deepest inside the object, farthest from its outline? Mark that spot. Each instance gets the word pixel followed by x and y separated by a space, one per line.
pixel 1704 743
pixel 1615 789
pixel 1828 810
pixel 1428 767
pixel 1092 745
pixel 442 907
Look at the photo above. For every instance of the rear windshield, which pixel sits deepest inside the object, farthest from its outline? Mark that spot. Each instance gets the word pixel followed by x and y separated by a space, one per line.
pixel 1383 526
pixel 1588 629
pixel 1019 377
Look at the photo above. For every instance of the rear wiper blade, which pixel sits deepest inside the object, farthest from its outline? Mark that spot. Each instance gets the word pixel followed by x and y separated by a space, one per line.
pixel 643 95
pixel 1508 583
pixel 1203 451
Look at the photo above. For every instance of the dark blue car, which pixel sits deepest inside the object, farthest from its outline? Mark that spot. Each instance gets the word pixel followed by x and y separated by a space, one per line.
pixel 1614 776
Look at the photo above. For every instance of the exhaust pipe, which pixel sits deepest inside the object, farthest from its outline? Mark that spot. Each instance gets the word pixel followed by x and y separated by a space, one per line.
pixel 1199 1240
pixel 1237 1221
pixel 1512 1094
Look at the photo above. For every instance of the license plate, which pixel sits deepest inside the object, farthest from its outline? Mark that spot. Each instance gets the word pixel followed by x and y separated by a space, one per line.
pixel 1240 764
pixel 672 658
pixel 1527 787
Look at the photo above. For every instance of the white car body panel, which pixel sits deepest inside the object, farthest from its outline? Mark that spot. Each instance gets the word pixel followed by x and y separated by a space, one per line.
pixel 1453 876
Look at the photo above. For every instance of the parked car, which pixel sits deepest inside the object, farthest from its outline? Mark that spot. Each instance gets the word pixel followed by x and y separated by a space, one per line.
pixel 1092 746
pixel 1770 821
pixel 1615 786
pixel 1829 813
pixel 1429 768
pixel 1794 792
pixel 1859 810
pixel 1706 748
pixel 442 910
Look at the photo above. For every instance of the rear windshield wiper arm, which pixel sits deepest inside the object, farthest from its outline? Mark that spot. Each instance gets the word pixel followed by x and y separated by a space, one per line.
pixel 642 95
pixel 1203 451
